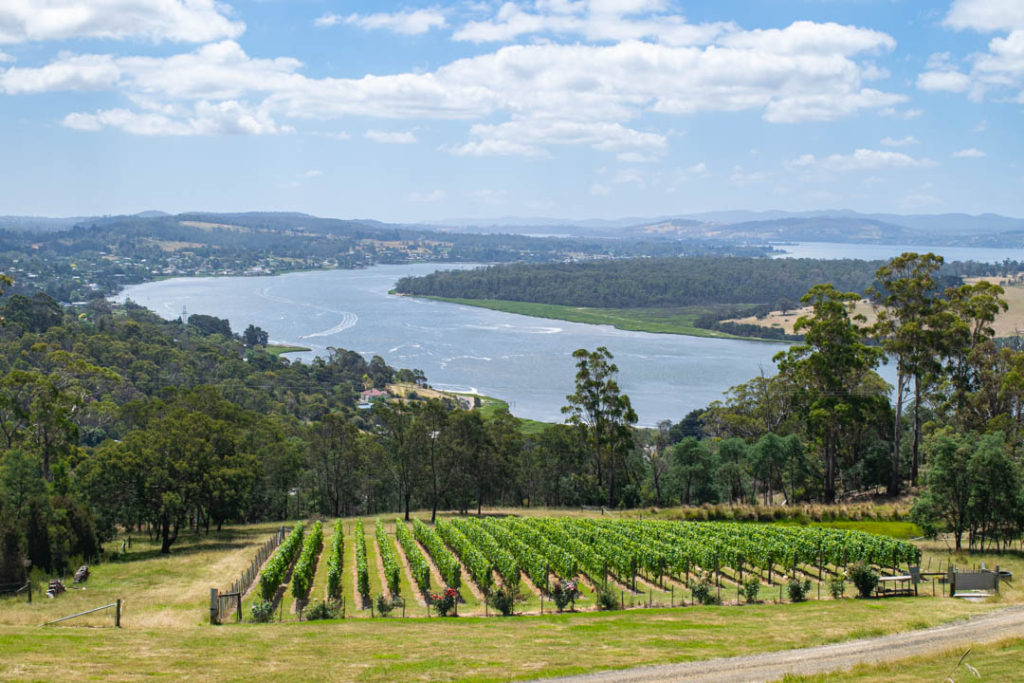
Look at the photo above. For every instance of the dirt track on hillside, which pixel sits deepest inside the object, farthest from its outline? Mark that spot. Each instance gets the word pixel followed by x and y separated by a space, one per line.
pixel 772 666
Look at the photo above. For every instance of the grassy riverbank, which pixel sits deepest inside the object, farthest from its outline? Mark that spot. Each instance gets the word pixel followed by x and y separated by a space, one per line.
pixel 278 349
pixel 657 320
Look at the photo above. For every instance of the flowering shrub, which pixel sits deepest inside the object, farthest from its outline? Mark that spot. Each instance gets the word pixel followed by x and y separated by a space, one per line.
pixel 565 592
pixel 443 603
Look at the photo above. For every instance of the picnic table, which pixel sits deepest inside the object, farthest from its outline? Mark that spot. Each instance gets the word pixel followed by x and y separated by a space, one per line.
pixel 900 584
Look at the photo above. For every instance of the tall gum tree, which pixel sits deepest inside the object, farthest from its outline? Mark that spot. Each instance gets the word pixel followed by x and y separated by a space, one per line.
pixel 828 368
pixel 603 412
pixel 908 306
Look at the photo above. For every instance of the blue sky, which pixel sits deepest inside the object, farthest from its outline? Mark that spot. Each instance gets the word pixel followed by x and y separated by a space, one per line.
pixel 568 108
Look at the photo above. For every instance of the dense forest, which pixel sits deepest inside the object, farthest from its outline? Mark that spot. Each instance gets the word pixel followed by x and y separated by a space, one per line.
pixel 715 288
pixel 113 419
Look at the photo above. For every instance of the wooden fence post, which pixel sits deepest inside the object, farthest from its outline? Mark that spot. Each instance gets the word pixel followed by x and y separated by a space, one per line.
pixel 117 614
pixel 214 606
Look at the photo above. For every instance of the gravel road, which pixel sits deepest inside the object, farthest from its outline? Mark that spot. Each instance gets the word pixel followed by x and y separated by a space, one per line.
pixel 772 666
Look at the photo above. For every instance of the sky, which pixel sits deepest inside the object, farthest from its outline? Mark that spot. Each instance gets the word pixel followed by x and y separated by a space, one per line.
pixel 473 109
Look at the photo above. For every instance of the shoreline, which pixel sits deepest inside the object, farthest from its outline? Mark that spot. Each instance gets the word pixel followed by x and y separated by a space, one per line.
pixel 631 320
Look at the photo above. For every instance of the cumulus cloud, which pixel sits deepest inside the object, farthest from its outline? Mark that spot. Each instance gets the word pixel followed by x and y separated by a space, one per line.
pixel 999 69
pixel 985 15
pixel 69 72
pixel 969 153
pixel 901 142
pixel 391 137
pixel 860 160
pixel 205 118
pixel 193 21
pixel 426 197
pixel 406 22
pixel 523 99
pixel 529 137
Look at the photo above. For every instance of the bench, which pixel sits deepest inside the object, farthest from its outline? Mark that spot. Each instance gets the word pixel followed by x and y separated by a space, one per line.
pixel 901 584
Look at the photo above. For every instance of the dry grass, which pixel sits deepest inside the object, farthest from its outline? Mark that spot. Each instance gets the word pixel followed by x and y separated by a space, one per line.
pixel 1008 324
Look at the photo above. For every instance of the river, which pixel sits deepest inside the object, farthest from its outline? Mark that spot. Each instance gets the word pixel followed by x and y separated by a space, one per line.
pixel 526 361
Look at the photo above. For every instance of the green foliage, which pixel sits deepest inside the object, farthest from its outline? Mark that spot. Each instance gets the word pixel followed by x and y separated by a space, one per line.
pixel 362 570
pixel 447 564
pixel 565 592
pixel 504 600
pixel 334 561
pixel 384 605
pixel 262 611
pixel 392 572
pixel 703 589
pixel 863 577
pixel 837 587
pixel 324 610
pixel 417 563
pixel 443 603
pixel 302 575
pixel 476 562
pixel 751 588
pixel 797 589
pixel 277 566
pixel 606 598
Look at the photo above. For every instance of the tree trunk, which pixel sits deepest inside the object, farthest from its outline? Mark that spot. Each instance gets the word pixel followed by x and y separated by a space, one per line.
pixel 894 475
pixel 917 430
pixel 407 496
pixel 168 535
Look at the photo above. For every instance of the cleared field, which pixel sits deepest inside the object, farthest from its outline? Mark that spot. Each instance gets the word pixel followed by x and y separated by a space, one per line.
pixel 1007 324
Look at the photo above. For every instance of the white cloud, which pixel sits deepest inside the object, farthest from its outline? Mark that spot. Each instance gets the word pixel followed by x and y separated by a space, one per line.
pixel 222 118
pixel 969 153
pixel 573 94
pixel 901 142
pixel 947 81
pixel 78 73
pixel 860 160
pixel 529 137
pixel 999 69
pixel 391 137
pixel 311 173
pixel 427 197
pixel 406 22
pixel 192 21
pixel 599 190
pixel 4 57
pixel 985 15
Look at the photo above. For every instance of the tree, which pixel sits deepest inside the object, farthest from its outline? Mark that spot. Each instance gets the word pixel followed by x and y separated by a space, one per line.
pixel 948 493
pixel 692 471
pixel 767 461
pixel 829 367
pixel 603 413
pixel 400 452
pixel 909 329
pixel 208 324
pixel 254 336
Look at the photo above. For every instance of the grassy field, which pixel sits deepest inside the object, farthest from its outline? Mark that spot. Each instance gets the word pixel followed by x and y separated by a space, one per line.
pixel 658 320
pixel 996 662
pixel 165 630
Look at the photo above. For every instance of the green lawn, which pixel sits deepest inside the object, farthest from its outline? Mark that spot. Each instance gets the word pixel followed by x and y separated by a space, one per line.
pixel 658 320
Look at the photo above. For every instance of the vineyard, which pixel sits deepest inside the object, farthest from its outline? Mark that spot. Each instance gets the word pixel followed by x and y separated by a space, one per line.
pixel 467 561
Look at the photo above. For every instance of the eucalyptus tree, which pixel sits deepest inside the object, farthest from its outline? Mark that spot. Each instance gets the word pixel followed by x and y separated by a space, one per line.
pixel 828 369
pixel 909 307
pixel 603 413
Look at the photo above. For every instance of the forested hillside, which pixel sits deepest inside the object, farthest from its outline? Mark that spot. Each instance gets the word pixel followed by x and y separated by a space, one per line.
pixel 644 283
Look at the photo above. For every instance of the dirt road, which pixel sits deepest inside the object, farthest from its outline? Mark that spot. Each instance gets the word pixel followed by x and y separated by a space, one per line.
pixel 772 666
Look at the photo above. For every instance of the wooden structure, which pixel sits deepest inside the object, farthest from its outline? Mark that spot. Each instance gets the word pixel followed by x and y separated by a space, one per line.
pixel 900 584
pixel 967 584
